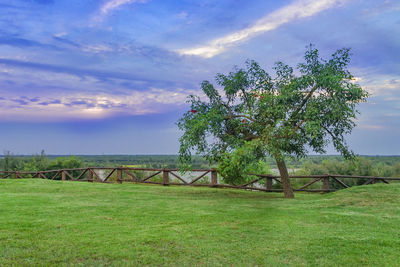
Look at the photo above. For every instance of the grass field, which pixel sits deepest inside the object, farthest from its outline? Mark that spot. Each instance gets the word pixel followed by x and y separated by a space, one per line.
pixel 46 222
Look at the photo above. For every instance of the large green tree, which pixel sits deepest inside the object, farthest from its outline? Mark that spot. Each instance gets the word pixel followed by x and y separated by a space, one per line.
pixel 252 115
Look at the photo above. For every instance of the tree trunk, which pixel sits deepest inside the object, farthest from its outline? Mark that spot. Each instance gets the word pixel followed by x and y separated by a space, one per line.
pixel 287 187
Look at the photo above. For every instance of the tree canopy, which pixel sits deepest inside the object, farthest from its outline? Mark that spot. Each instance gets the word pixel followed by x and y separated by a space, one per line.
pixel 251 114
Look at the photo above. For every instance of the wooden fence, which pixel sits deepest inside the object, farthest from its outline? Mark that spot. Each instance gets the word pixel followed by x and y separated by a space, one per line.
pixel 200 177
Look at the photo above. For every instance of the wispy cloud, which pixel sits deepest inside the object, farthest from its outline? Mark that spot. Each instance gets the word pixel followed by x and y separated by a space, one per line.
pixel 15 41
pixel 380 85
pixel 381 8
pixel 297 10
pixel 111 5
pixel 371 127
pixel 98 48
pixel 78 72
pixel 92 106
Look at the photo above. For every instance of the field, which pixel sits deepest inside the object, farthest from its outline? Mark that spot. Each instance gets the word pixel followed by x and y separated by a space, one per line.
pixel 46 222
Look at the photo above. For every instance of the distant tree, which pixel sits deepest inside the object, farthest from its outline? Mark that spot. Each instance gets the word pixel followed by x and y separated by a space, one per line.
pixel 6 161
pixel 11 162
pixel 281 116
pixel 35 163
pixel 42 160
pixel 65 163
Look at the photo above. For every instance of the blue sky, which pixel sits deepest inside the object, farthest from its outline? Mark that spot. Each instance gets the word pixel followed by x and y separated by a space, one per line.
pixel 112 76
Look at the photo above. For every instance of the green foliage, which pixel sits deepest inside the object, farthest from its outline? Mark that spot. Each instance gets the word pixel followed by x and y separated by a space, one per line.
pixel 10 163
pixel 65 163
pixel 148 161
pixel 235 167
pixel 279 116
pixel 39 163
pixel 360 166
pixel 34 163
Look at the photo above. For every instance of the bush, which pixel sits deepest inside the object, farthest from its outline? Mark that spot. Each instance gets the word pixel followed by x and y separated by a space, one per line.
pixel 236 167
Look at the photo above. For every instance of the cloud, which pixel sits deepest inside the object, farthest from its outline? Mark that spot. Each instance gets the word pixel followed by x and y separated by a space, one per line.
pixel 111 5
pixel 49 102
pixel 82 73
pixel 381 8
pixel 61 39
pixel 98 48
pixel 297 10
pixel 15 41
pixel 182 15
pixel 380 85
pixel 116 48
pixel 22 102
pixel 371 127
pixel 93 106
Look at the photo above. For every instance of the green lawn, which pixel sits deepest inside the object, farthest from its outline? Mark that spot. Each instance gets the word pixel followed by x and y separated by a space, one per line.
pixel 46 222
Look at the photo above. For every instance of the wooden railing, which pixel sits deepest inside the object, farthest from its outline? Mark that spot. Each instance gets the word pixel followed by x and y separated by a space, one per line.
pixel 203 177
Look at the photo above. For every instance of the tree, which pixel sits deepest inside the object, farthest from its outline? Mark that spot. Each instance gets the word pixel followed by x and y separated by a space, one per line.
pixel 284 116
pixel 11 162
pixel 66 163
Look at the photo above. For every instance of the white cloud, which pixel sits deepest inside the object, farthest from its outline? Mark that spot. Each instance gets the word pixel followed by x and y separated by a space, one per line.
pixel 297 10
pixel 63 96
pixel 60 34
pixel 371 127
pixel 91 106
pixel 381 8
pixel 111 5
pixel 381 85
pixel 97 48
pixel 182 15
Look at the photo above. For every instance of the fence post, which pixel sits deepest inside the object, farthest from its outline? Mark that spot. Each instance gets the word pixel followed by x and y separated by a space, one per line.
pixel 214 177
pixel 63 175
pixel 269 183
pixel 119 175
pixel 165 177
pixel 325 183
pixel 90 175
pixel 16 175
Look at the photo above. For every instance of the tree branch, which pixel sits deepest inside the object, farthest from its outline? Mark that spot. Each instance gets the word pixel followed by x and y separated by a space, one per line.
pixel 244 116
pixel 251 136
pixel 303 103
pixel 329 132
pixel 299 125
pixel 246 100
pixel 232 116
pixel 229 109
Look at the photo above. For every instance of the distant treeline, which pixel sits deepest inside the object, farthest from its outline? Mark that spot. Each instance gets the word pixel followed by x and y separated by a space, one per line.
pixel 41 162
pixel 150 161
pixel 11 162
pixel 363 165
pixel 385 166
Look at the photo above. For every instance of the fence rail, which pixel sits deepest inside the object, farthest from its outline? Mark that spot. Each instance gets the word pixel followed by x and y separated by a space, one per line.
pixel 197 177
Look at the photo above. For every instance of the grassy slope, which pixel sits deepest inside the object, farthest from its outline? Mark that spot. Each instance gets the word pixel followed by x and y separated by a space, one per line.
pixel 53 222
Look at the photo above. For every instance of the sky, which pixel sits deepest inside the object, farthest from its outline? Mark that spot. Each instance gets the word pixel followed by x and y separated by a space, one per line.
pixel 113 76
